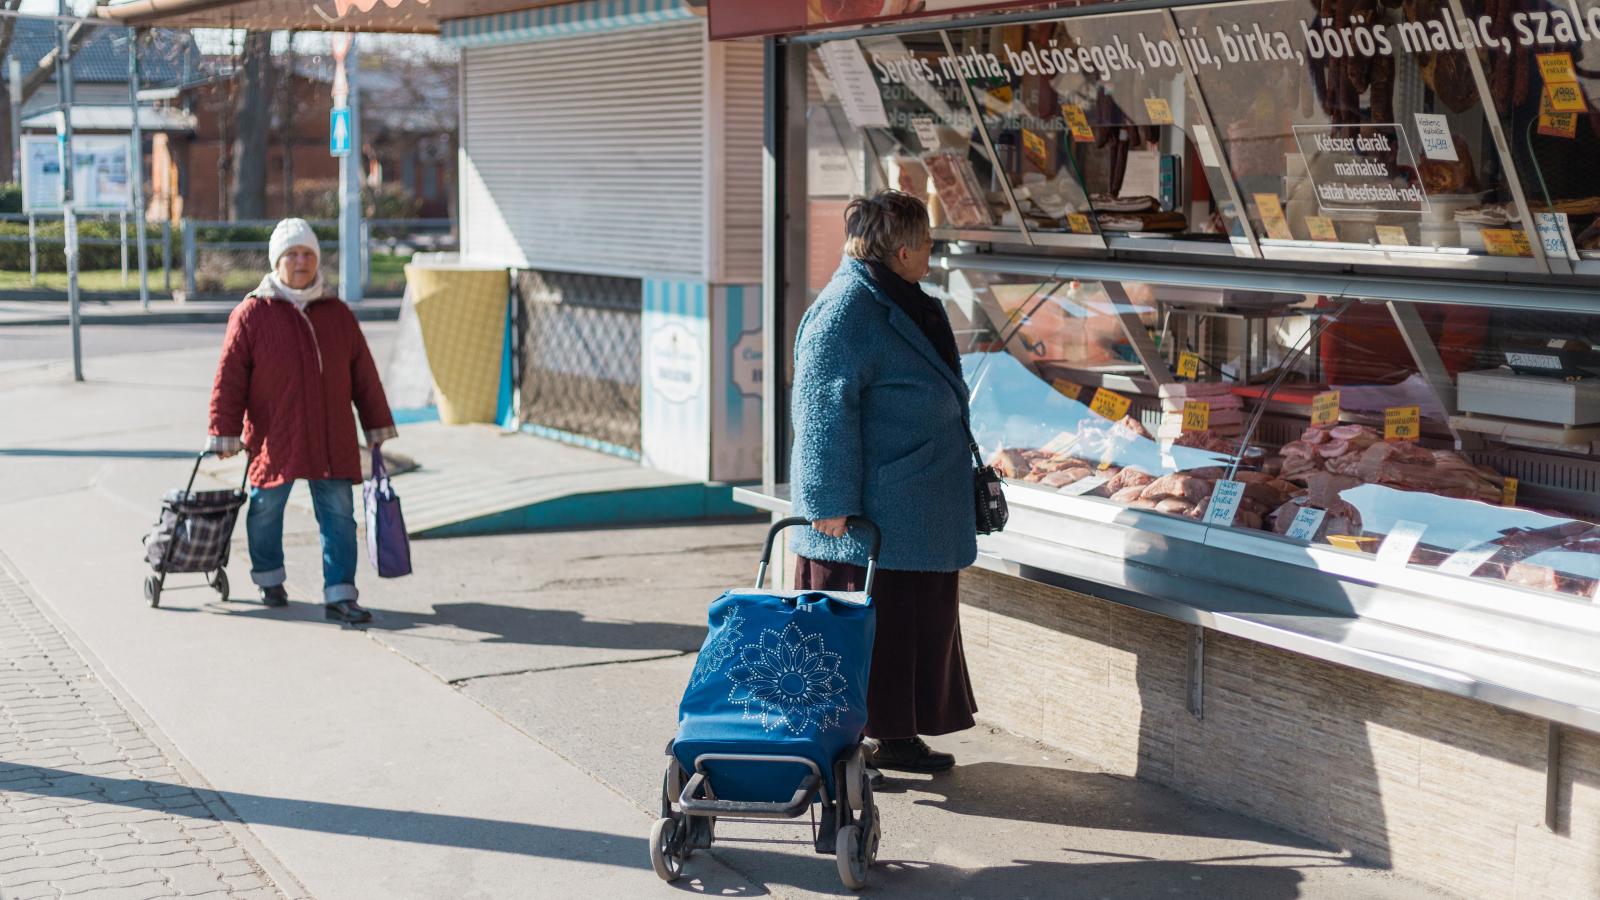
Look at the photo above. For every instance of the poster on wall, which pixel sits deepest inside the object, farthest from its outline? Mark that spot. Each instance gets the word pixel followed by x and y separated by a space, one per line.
pixel 100 180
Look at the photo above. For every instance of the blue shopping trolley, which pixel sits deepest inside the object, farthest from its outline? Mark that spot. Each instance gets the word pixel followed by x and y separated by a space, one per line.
pixel 770 723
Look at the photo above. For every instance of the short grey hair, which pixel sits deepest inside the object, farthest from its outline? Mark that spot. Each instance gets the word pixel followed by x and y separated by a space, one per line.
pixel 876 227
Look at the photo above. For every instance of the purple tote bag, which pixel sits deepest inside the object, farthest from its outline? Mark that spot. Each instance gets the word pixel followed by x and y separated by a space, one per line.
pixel 387 545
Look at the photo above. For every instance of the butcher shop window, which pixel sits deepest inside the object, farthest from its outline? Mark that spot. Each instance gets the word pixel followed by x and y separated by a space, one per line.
pixel 1358 124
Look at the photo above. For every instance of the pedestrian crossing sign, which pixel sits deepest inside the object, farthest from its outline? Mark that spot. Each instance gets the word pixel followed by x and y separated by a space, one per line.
pixel 339 131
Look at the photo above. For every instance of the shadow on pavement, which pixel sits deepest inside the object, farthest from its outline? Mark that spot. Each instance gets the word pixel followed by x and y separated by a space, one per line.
pixel 98 453
pixel 517 625
pixel 1076 799
pixel 1122 877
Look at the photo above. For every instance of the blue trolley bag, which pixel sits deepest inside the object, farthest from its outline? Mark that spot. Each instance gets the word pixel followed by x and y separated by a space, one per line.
pixel 780 674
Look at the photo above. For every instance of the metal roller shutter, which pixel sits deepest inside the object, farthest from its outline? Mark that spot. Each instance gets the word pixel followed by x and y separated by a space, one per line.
pixel 587 154
pixel 738 77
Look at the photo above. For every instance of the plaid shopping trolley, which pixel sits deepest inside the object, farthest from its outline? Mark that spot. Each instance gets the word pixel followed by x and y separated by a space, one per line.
pixel 193 534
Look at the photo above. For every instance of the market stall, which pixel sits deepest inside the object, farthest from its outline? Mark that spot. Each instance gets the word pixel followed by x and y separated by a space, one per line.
pixel 1280 322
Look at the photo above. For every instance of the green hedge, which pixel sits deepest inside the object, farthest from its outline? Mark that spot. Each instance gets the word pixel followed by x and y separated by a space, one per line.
pixel 14 253
pixel 10 197
pixel 258 234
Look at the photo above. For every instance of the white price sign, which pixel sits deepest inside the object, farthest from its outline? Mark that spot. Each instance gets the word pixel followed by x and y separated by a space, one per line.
pixel 1084 485
pixel 1305 524
pixel 1403 538
pixel 1224 503
pixel 1556 234
pixel 926 133
pixel 1467 561
pixel 1434 130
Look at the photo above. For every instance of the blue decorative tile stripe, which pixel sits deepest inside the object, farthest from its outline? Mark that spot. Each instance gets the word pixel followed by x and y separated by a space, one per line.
pixel 568 19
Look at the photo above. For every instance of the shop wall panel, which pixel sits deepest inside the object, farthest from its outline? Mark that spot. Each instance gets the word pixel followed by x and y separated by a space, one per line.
pixel 737 224
pixel 587 154
pixel 1439 788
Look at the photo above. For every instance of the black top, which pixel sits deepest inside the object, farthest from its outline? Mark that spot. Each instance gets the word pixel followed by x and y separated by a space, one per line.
pixel 926 312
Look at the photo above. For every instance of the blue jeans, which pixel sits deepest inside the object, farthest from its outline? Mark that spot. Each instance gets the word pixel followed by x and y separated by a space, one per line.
pixel 335 507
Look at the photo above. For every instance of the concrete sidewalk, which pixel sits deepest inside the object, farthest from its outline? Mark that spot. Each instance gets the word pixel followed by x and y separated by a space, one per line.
pixel 498 731
pixel 29 313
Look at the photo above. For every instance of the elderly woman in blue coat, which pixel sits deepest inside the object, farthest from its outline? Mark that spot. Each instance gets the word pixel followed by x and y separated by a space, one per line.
pixel 880 424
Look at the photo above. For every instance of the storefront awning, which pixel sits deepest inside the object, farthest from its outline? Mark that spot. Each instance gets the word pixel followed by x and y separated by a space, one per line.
pixel 394 16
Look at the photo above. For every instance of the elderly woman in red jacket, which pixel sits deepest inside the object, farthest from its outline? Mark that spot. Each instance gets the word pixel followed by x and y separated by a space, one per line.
pixel 293 362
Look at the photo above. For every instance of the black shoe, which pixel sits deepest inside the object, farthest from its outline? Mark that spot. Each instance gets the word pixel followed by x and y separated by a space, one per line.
pixel 910 755
pixel 274 596
pixel 874 777
pixel 347 611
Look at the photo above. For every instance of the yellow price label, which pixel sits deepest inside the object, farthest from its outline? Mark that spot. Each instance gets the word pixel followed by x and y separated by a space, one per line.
pixel 1321 228
pixel 1109 404
pixel 1557 68
pixel 1069 389
pixel 1033 147
pixel 1196 415
pixel 1567 98
pixel 1160 110
pixel 1392 235
pixel 1188 365
pixel 1079 223
pixel 1506 242
pixel 1325 408
pixel 1508 493
pixel 1077 122
pixel 1402 423
pixel 1272 217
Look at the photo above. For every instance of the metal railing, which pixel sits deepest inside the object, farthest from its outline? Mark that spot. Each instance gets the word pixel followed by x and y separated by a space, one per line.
pixel 219 268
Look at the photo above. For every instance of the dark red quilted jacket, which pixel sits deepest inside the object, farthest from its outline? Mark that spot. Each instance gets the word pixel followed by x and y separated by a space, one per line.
pixel 285 385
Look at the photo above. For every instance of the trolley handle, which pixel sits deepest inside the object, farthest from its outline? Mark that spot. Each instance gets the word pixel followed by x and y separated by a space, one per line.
pixel 200 458
pixel 874 544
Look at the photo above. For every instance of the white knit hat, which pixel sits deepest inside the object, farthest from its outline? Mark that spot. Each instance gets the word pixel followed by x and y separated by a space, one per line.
pixel 291 233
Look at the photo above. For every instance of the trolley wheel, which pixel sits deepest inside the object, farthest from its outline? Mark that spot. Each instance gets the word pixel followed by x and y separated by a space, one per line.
pixel 666 853
pixel 152 590
pixel 850 854
pixel 220 582
pixel 856 782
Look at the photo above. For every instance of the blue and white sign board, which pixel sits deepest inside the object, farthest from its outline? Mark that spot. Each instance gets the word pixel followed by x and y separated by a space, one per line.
pixel 100 181
pixel 339 131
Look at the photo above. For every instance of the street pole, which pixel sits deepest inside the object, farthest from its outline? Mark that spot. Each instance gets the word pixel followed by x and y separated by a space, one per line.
pixel 139 231
pixel 69 218
pixel 350 178
pixel 14 83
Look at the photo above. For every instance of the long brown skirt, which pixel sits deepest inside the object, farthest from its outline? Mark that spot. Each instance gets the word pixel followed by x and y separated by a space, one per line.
pixel 919 682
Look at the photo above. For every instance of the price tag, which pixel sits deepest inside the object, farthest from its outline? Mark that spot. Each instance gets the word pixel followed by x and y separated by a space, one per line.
pixel 1033 147
pixel 1508 493
pixel 1079 223
pixel 1556 124
pixel 1465 562
pixel 1556 233
pixel 1566 98
pixel 1506 242
pixel 1402 423
pixel 1305 524
pixel 1077 122
pixel 1188 365
pixel 1321 228
pixel 1403 538
pixel 998 100
pixel 1159 109
pixel 1109 404
pixel 1069 389
pixel 1557 68
pixel 927 132
pixel 1272 217
pixel 1084 485
pixel 1392 235
pixel 1325 408
pixel 1224 503
pixel 1196 415
pixel 1434 130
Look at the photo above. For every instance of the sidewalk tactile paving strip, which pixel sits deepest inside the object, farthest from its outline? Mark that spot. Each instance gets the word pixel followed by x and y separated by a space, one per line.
pixel 89 805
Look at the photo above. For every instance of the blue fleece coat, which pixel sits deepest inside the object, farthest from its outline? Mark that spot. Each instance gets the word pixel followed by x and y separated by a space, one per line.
pixel 879 429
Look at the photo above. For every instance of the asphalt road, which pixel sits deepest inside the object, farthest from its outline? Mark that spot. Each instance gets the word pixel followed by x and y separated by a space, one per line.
pixel 23 346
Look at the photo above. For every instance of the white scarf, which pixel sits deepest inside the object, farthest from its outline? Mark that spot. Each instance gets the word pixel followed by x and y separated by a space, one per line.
pixel 299 297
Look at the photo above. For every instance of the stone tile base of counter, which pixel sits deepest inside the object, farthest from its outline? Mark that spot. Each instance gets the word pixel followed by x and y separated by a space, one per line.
pixel 1439 788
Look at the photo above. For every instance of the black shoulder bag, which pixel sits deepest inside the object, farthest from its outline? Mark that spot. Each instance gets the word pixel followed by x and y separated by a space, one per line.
pixel 990 500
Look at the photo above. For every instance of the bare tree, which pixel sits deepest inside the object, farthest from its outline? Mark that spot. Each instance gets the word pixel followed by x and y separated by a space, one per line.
pixel 8 30
pixel 252 116
pixel 76 35
pixel 285 91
